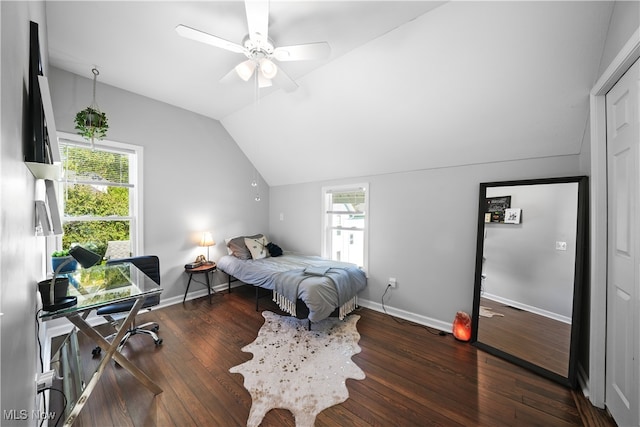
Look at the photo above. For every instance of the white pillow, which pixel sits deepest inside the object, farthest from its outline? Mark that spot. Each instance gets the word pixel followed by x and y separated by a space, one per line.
pixel 257 247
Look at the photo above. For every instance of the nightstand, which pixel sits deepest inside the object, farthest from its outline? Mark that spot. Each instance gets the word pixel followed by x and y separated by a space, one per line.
pixel 203 269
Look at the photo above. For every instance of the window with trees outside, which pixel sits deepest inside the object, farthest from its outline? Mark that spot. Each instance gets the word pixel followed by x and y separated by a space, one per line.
pixel 100 195
pixel 345 224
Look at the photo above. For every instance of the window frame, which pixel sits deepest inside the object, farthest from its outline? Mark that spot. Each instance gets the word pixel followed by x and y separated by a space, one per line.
pixel 326 240
pixel 135 183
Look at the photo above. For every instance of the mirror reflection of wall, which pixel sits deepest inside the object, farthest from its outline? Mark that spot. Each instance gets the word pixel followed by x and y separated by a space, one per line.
pixel 522 266
pixel 529 273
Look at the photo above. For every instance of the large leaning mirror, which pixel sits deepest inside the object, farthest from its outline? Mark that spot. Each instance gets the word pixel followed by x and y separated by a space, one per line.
pixel 529 271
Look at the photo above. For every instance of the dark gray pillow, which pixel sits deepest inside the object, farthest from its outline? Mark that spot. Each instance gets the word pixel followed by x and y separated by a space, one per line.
pixel 239 248
pixel 274 250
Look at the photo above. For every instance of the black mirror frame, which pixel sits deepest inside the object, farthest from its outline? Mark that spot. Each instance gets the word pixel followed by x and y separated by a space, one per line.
pixel 579 276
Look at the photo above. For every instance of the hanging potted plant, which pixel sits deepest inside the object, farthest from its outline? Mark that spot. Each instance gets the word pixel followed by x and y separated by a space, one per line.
pixel 91 123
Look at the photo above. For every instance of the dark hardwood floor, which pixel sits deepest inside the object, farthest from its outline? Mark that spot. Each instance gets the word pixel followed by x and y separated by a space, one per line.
pixel 529 336
pixel 414 377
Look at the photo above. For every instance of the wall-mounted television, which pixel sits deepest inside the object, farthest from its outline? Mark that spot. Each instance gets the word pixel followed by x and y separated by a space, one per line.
pixel 38 140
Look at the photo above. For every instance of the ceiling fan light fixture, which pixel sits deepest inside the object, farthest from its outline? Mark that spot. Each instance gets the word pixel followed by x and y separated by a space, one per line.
pixel 259 49
pixel 262 80
pixel 268 68
pixel 245 69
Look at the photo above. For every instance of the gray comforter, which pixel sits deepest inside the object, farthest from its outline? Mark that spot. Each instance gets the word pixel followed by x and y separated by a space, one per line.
pixel 323 287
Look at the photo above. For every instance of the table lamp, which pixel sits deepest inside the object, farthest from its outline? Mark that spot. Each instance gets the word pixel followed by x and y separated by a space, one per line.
pixel 86 258
pixel 207 240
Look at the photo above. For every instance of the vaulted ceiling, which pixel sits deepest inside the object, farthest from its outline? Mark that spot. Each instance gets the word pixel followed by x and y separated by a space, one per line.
pixel 408 85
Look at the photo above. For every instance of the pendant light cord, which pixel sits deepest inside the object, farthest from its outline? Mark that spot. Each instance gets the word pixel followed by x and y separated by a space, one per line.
pixel 95 72
pixel 94 104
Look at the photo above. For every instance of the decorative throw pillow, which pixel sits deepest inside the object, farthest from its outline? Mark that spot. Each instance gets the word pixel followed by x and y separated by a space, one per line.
pixel 238 248
pixel 257 247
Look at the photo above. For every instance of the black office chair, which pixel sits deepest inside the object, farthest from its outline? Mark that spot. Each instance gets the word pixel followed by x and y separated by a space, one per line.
pixel 149 265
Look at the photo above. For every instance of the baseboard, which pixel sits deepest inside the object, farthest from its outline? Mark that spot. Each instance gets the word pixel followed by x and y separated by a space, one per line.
pixel 406 315
pixel 402 314
pixel 221 288
pixel 62 326
pixel 583 384
pixel 529 308
pixel 583 380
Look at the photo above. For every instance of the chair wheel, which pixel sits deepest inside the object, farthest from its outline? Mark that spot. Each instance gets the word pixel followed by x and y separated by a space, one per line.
pixel 156 328
pixel 159 341
pixel 96 351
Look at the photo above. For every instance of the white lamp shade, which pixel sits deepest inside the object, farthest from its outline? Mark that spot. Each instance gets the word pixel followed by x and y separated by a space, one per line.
pixel 245 69
pixel 268 68
pixel 207 239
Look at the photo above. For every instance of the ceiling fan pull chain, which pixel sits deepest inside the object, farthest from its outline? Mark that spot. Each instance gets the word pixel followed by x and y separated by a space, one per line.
pixel 256 87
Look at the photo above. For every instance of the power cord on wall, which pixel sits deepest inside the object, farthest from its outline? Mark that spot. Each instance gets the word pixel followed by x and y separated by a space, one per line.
pixel 405 322
pixel 38 338
pixel 64 407
pixel 44 396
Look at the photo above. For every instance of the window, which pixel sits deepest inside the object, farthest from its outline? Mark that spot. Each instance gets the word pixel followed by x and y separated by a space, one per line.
pixel 346 208
pixel 100 194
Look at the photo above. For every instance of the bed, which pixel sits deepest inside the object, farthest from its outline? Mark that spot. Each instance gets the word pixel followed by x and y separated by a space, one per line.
pixel 324 286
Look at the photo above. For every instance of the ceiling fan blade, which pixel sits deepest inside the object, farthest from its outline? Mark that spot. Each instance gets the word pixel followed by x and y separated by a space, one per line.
pixel 200 36
pixel 303 52
pixel 258 18
pixel 285 81
pixel 230 77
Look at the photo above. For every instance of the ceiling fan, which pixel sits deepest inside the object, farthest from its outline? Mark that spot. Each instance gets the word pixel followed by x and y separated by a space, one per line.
pixel 260 49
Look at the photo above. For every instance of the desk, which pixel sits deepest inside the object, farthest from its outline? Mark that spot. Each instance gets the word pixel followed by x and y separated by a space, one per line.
pixel 202 269
pixel 96 287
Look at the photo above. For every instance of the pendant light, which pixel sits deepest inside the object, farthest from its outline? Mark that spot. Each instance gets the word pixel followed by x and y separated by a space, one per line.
pixel 254 184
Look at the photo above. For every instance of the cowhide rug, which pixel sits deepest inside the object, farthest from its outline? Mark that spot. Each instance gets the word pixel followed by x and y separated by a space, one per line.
pixel 487 312
pixel 297 369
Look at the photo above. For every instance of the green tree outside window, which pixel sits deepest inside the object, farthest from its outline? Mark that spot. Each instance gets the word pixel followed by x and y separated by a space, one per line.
pixel 97 196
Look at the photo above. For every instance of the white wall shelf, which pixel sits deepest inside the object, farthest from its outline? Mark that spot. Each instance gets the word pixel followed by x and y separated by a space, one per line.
pixel 44 170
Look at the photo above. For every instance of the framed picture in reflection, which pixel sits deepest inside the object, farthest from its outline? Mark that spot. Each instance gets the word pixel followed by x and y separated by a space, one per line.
pixel 512 215
pixel 495 208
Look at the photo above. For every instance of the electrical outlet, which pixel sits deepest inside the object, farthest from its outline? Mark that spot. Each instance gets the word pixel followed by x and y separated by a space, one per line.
pixel 392 282
pixel 561 246
pixel 45 380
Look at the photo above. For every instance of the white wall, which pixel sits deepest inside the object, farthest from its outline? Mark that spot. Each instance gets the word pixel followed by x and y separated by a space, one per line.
pixel 625 19
pixel 195 176
pixel 422 231
pixel 21 253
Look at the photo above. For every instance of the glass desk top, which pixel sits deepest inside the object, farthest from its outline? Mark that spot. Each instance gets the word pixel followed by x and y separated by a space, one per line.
pixel 103 285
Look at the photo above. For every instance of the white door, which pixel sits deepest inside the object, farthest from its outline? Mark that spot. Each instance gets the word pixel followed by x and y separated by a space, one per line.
pixel 623 330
